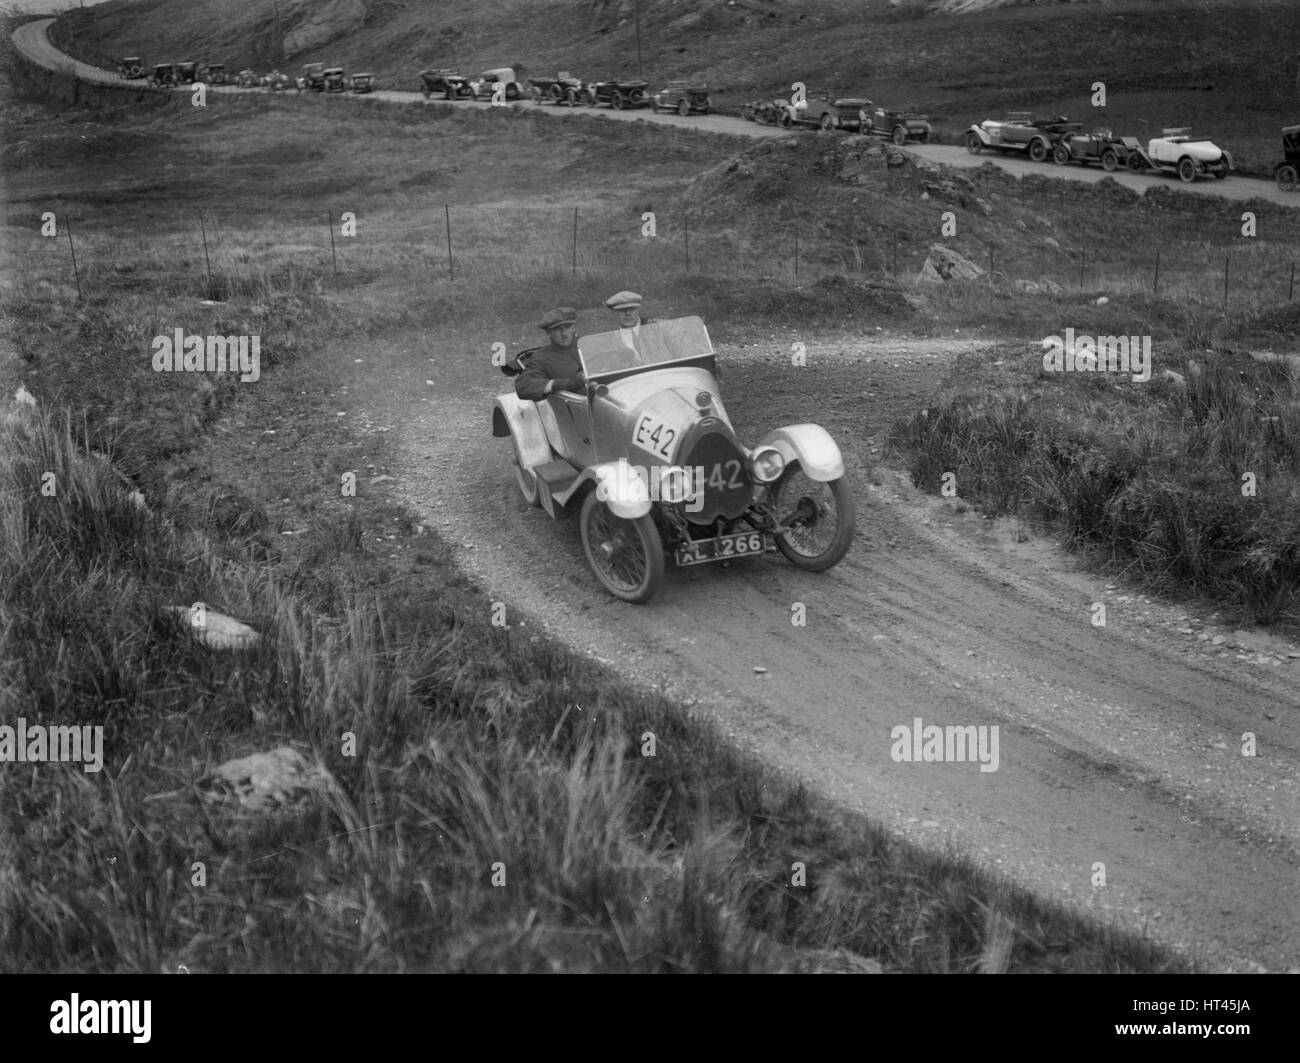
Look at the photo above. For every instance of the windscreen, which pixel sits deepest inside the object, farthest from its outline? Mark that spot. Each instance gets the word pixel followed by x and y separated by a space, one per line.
pixel 652 344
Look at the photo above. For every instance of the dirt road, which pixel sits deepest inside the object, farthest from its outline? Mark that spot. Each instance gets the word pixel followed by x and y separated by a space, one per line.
pixel 1119 748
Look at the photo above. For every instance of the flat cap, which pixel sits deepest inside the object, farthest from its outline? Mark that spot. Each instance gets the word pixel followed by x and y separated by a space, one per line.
pixel 624 301
pixel 561 315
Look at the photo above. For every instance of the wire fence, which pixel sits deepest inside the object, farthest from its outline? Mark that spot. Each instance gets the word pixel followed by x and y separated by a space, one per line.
pixel 481 242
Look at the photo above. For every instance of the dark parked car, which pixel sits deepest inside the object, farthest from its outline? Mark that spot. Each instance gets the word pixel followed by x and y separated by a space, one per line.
pixel 683 97
pixel 1101 146
pixel 619 94
pixel 363 82
pixel 215 74
pixel 563 88
pixel 454 86
pixel 164 74
pixel 131 68
pixel 312 77
pixel 336 80
pixel 1287 172
pixel 187 73
pixel 900 126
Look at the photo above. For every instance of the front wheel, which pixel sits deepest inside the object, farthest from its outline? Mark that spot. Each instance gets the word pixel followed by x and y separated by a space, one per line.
pixel 683 108
pixel 627 555
pixel 1135 163
pixel 1038 150
pixel 973 143
pixel 1287 178
pixel 1109 161
pixel 828 122
pixel 900 135
pixel 617 101
pixel 1060 154
pixel 820 516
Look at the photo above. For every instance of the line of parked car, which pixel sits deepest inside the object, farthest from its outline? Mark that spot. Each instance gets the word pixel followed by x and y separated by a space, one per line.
pixel 830 111
pixel 505 84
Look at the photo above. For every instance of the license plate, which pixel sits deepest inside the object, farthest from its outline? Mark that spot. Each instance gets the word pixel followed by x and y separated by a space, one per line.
pixel 723 547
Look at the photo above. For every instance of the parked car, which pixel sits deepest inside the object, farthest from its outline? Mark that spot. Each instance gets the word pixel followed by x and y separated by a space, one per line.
pixel 1287 172
pixel 827 112
pixel 363 83
pixel 336 79
pixel 275 81
pixel 215 74
pixel 187 73
pixel 1100 146
pixel 618 94
pixel 900 126
pixel 1020 131
pixel 1178 151
pixel 648 459
pixel 684 97
pixel 247 79
pixel 563 88
pixel 452 85
pixel 131 68
pixel 764 112
pixel 485 84
pixel 164 74
pixel 312 78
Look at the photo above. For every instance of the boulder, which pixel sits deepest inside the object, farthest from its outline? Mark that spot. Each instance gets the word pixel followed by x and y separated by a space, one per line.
pixel 945 264
pixel 263 782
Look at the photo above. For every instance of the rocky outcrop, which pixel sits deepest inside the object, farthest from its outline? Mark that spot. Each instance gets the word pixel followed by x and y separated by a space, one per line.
pixel 945 264
pixel 315 23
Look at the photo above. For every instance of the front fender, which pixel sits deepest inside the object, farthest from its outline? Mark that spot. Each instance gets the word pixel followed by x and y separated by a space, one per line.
pixel 516 417
pixel 982 133
pixel 811 446
pixel 621 486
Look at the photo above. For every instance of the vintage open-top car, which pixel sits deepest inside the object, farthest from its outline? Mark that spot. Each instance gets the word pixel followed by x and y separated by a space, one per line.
pixel 336 79
pixel 562 88
pixel 215 74
pixel 619 94
pixel 274 81
pixel 247 79
pixel 900 126
pixel 1101 146
pixel 452 85
pixel 1020 131
pixel 649 459
pixel 1287 172
pixel 684 97
pixel 1178 151
pixel 312 77
pixel 131 68
pixel 826 112
pixel 163 74
pixel 764 112
pixel 187 73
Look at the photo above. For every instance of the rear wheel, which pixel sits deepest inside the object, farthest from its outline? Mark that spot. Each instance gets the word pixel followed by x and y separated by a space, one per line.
pixel 1135 163
pixel 828 122
pixel 900 135
pixel 784 120
pixel 683 108
pixel 617 101
pixel 1109 161
pixel 973 143
pixel 627 555
pixel 821 516
pixel 1038 149
pixel 1187 169
pixel 1287 178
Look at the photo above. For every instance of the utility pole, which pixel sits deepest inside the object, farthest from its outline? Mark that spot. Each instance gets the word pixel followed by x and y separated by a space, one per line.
pixel 636 14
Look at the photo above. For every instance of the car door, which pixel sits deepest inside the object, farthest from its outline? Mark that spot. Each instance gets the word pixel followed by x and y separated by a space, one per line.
pixel 573 418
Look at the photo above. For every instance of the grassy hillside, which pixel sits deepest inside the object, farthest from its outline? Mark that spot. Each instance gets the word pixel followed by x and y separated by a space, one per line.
pixel 1216 66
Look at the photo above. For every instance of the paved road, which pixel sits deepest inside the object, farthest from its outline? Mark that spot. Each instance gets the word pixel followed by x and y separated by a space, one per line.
pixel 33 41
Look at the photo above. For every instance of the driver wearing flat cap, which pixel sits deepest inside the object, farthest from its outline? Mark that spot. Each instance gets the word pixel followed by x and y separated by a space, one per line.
pixel 555 367
pixel 627 305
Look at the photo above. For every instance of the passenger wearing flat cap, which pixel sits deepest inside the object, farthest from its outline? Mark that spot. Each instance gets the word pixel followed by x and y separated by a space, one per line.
pixel 555 367
pixel 627 305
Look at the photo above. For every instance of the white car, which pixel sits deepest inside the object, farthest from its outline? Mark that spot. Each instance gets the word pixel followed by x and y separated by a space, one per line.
pixel 1178 151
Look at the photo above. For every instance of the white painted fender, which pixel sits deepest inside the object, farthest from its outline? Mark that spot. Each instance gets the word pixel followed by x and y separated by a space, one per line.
pixel 982 133
pixel 622 487
pixel 513 416
pixel 811 446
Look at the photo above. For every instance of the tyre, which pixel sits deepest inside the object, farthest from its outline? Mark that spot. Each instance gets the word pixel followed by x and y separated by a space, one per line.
pixel 1109 160
pixel 827 122
pixel 973 143
pixel 617 101
pixel 1187 169
pixel 1287 178
pixel 900 135
pixel 1220 173
pixel 526 480
pixel 784 120
pixel 512 92
pixel 451 95
pixel 654 106
pixel 822 514
pixel 1060 154
pixel 1135 163
pixel 627 556
pixel 683 108
pixel 1038 149
pixel 704 110
pixel 571 98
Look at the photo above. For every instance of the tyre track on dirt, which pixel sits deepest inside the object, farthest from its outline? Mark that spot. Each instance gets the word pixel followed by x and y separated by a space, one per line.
pixel 1118 745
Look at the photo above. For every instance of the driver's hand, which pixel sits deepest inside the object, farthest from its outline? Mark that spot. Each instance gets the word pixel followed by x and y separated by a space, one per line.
pixel 571 383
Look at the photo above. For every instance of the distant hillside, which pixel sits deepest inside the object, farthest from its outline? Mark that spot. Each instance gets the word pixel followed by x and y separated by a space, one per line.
pixel 1215 65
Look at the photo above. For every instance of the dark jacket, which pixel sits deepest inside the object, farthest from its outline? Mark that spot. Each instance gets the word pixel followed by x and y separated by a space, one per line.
pixel 546 363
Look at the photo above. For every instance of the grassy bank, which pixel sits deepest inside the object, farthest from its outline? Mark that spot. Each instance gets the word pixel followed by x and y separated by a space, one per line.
pixel 473 744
